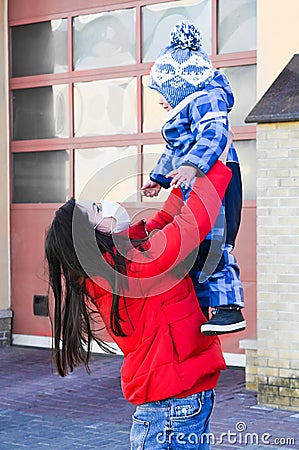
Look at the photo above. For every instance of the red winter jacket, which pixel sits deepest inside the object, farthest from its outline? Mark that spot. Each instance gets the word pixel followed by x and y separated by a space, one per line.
pixel 165 354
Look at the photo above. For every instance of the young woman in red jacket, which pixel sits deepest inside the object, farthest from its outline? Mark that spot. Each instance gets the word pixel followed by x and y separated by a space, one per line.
pixel 140 287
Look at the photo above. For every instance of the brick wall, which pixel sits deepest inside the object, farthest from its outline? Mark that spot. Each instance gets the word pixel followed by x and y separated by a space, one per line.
pixel 5 327
pixel 278 264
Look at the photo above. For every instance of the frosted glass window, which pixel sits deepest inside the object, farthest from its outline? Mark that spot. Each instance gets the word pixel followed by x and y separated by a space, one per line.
pixel 247 156
pixel 154 115
pixel 243 82
pixel 41 177
pixel 109 173
pixel 158 20
pixel 39 48
pixel 40 113
pixel 150 156
pixel 236 26
pixel 105 107
pixel 105 39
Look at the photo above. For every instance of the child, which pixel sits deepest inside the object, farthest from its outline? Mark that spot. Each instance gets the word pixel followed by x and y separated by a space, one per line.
pixel 197 99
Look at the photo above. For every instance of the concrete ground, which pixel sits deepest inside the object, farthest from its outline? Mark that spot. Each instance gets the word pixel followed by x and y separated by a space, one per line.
pixel 39 410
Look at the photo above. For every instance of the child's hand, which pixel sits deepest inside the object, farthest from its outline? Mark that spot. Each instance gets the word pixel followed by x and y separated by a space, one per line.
pixel 150 189
pixel 183 174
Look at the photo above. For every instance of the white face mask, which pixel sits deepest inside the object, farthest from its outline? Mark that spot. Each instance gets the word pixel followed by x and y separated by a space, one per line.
pixel 116 211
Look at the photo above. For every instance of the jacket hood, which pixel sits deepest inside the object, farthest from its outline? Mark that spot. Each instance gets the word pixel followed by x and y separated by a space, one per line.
pixel 221 81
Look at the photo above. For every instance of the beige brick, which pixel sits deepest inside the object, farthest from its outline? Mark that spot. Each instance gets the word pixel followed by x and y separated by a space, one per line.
pixel 294 133
pixel 285 316
pixel 262 379
pixel 281 382
pixel 268 202
pixel 268 182
pixel 286 201
pixel 287 278
pixel 286 392
pixel 292 219
pixel 289 327
pixel 291 181
pixel 269 390
pixel 262 398
pixel 294 383
pixel 250 360
pixel 264 146
pixel 292 144
pixel 288 354
pixel 273 400
pixel 266 352
pixel 252 370
pixel 295 365
pixel 278 173
pixel 283 363
pixel 268 371
pixel 278 134
pixel 295 403
pixel 251 386
pixel 273 192
pixel 262 362
pixel 267 127
pixel 287 373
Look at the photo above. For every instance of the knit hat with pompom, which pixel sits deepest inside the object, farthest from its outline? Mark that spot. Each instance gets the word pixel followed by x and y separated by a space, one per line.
pixel 182 67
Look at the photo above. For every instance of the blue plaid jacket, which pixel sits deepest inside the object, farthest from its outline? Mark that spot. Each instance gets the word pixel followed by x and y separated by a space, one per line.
pixel 196 133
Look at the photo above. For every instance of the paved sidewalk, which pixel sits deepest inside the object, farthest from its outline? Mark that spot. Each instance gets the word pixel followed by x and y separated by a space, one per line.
pixel 39 410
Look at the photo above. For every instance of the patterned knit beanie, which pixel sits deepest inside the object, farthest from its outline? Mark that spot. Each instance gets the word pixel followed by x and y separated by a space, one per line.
pixel 182 67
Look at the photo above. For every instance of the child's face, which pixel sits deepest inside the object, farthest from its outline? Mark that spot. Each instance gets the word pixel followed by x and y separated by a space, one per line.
pixel 164 103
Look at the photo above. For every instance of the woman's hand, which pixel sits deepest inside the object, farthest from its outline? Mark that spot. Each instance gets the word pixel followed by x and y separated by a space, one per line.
pixel 150 189
pixel 183 174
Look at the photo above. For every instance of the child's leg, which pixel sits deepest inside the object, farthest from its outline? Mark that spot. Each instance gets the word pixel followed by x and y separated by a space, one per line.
pixel 226 296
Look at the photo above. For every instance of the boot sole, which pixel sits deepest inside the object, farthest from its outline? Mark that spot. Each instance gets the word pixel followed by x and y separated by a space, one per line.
pixel 210 330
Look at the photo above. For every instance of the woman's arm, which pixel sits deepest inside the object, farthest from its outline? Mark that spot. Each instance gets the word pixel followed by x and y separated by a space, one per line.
pixel 165 215
pixel 172 244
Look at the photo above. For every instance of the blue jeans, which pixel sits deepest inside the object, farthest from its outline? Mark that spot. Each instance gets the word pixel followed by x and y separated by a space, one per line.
pixel 173 424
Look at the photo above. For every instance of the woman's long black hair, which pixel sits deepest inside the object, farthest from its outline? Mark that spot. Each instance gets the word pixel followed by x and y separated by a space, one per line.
pixel 73 253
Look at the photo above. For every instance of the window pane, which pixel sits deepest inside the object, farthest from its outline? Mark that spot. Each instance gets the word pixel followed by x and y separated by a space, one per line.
pixel 154 115
pixel 105 39
pixel 247 156
pixel 41 177
pixel 236 25
pixel 150 155
pixel 243 82
pixel 105 107
pixel 158 20
pixel 109 173
pixel 40 113
pixel 39 48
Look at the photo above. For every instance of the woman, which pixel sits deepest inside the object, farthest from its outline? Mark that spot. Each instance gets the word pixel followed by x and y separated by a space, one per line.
pixel 148 304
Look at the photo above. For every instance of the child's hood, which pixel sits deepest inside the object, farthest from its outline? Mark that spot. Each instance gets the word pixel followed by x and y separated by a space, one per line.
pixel 220 81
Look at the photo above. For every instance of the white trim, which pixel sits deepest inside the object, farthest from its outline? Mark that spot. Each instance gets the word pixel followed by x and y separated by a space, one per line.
pixel 235 359
pixel 96 349
pixel 231 359
pixel 32 341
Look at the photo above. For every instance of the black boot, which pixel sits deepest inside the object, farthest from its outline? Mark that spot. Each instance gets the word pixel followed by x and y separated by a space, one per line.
pixel 226 319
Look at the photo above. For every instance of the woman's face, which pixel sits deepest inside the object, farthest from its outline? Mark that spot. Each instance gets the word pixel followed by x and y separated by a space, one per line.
pixel 94 212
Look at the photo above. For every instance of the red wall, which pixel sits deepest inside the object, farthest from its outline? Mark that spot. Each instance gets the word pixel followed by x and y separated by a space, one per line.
pixel 29 275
